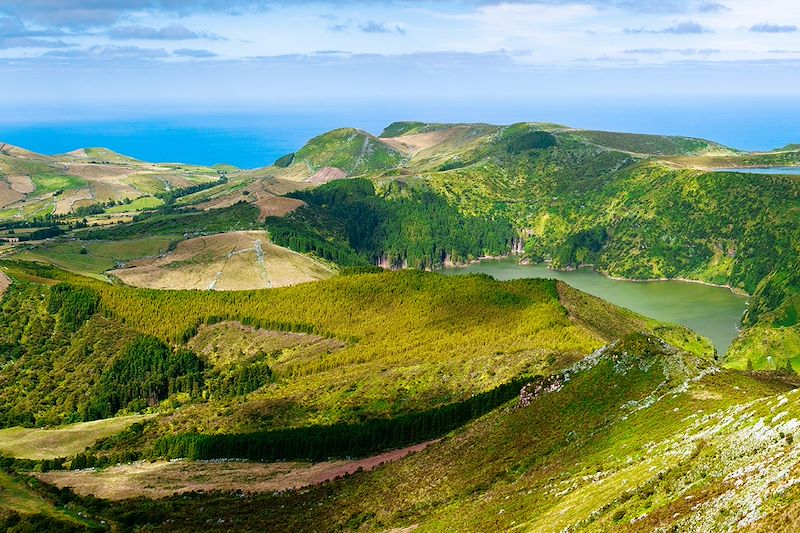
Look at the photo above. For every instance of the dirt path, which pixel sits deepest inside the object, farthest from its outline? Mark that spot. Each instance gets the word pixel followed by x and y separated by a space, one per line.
pixel 165 478
pixel 369 463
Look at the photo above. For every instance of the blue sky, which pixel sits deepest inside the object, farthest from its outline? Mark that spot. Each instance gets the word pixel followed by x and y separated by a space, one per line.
pixel 147 54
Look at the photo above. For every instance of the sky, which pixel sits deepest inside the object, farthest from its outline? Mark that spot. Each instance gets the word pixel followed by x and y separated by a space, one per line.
pixel 64 57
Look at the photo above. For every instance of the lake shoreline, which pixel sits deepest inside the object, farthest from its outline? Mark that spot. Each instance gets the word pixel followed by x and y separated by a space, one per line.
pixel 700 306
pixel 734 290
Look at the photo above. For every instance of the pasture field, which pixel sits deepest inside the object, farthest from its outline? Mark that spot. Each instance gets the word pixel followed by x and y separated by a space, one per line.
pixel 140 204
pixel 158 479
pixel 16 497
pixel 99 257
pixel 64 441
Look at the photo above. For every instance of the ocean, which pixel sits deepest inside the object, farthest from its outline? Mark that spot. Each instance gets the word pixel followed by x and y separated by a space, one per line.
pixel 255 138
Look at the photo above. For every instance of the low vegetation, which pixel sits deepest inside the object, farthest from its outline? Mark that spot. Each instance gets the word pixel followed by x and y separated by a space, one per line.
pixel 224 261
pixel 62 442
pixel 531 405
pixel 410 356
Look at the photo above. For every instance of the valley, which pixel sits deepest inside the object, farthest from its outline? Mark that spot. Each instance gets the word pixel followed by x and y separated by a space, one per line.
pixel 314 342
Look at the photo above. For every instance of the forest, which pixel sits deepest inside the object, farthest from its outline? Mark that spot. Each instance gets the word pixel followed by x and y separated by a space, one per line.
pixel 405 225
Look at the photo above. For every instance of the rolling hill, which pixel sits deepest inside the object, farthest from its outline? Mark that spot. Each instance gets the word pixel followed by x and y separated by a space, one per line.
pixel 633 206
pixel 37 186
pixel 398 399
pixel 638 438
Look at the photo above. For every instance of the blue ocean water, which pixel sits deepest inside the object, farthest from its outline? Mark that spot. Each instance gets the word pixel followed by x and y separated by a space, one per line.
pixel 255 138
pixel 240 140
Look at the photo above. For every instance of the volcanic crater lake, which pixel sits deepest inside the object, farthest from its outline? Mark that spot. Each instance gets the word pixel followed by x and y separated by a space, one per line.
pixel 714 312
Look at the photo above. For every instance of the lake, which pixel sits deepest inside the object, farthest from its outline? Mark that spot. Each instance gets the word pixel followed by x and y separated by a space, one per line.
pixel 714 312
pixel 784 171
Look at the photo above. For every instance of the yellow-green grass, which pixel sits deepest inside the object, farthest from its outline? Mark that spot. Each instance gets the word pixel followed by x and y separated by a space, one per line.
pixel 38 182
pixel 140 204
pixel 106 155
pixel 64 441
pixel 415 340
pixel 18 498
pixel 214 192
pixel 100 256
pixel 48 183
pixel 230 342
pixel 619 447
pixel 641 464
pixel 766 347
pixel 146 183
pixel 38 207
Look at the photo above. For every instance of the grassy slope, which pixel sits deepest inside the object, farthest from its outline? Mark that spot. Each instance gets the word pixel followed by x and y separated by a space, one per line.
pixel 663 217
pixel 179 223
pixel 643 439
pixel 225 261
pixel 661 145
pixel 17 498
pixel 100 256
pixel 140 204
pixel 411 341
pixel 100 175
pixel 66 441
pixel 353 151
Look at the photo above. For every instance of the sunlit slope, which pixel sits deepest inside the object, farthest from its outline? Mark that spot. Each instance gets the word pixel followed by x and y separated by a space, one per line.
pixel 226 261
pixel 35 185
pixel 405 342
pixel 639 437
pixel 633 206
pixel 338 154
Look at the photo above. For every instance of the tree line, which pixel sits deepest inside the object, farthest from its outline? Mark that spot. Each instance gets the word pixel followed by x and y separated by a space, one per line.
pixel 318 443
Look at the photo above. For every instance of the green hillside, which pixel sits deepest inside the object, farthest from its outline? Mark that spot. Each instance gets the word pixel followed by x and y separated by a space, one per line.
pixel 405 341
pixel 661 145
pixel 357 356
pixel 97 183
pixel 640 436
pixel 633 206
pixel 528 404
pixel 399 226
pixel 352 151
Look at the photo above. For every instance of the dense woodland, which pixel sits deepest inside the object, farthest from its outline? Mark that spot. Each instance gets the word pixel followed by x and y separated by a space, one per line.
pixel 402 226
pixel 318 443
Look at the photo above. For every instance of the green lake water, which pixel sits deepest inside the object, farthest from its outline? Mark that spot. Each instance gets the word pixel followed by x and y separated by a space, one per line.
pixel 714 312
